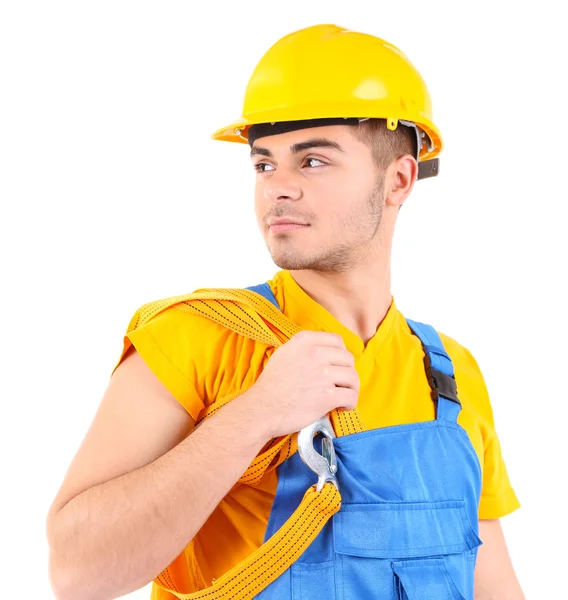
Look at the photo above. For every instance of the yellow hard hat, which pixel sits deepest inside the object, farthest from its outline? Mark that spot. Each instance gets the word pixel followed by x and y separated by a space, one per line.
pixel 329 72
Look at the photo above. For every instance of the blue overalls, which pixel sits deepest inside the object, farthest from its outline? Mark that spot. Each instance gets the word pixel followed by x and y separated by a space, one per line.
pixel 408 523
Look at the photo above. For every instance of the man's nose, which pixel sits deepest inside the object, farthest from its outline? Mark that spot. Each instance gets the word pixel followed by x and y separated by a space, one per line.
pixel 282 186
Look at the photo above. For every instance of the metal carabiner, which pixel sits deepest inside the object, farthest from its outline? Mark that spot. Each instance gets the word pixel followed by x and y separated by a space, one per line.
pixel 324 466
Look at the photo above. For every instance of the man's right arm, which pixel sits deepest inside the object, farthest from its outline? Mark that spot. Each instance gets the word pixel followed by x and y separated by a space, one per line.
pixel 142 484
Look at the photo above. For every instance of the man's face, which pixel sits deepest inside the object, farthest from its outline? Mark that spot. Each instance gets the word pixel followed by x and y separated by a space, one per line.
pixel 325 180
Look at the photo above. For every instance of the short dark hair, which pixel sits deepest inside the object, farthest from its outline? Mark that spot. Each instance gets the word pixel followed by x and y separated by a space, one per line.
pixel 386 145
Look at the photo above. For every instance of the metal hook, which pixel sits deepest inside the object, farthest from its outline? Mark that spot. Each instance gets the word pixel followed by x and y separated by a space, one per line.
pixel 324 466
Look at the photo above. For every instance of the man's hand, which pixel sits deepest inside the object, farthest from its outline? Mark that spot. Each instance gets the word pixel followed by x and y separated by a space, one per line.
pixel 307 377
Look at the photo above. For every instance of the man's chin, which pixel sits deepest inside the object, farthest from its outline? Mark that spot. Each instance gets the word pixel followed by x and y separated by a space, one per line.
pixel 291 263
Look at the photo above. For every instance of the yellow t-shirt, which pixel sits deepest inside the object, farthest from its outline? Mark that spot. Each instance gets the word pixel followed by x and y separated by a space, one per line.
pixel 199 361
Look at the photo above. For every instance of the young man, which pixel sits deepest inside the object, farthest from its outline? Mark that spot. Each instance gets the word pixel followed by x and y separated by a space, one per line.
pixel 413 480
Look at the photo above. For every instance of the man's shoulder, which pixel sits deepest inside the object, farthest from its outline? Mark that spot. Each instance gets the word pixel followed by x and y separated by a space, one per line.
pixel 462 358
pixel 205 310
pixel 469 378
pixel 457 351
pixel 181 310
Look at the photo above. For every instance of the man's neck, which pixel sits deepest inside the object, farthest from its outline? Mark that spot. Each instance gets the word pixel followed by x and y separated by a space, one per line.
pixel 359 298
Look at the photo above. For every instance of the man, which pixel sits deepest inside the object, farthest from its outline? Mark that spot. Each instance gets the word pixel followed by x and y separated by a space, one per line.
pixel 414 480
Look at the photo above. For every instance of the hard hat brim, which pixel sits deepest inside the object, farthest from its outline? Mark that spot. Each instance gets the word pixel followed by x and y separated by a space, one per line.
pixel 238 130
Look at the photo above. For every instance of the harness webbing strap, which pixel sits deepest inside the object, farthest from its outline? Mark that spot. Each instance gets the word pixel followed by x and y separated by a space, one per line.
pixel 251 314
pixel 267 563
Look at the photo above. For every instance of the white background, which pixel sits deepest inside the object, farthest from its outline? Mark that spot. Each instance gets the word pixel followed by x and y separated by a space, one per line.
pixel 113 195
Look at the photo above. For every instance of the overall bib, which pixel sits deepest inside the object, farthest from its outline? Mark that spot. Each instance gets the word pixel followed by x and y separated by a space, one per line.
pixel 408 523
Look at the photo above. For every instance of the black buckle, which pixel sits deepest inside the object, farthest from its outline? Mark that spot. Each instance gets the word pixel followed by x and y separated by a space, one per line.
pixel 443 385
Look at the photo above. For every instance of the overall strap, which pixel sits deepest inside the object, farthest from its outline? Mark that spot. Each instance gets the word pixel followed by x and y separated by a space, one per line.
pixel 439 370
pixel 264 290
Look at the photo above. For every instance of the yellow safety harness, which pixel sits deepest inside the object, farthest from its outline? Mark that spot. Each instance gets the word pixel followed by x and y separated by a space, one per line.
pixel 247 313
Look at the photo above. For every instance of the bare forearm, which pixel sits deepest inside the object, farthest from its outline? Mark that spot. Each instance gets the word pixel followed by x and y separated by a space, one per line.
pixel 118 536
pixel 495 577
pixel 510 590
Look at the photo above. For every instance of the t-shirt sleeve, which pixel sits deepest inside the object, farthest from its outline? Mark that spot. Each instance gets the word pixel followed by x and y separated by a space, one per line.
pixel 497 495
pixel 166 343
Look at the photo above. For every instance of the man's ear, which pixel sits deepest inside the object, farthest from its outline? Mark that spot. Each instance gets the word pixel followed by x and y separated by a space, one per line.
pixel 400 179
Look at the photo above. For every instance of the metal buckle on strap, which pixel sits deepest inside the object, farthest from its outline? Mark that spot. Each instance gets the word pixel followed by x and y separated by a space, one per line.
pixel 324 466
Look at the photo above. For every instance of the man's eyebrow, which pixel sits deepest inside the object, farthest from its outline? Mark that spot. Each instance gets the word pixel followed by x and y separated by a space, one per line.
pixel 301 146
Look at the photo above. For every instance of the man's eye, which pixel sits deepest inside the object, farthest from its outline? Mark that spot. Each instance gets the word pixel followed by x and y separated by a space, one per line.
pixel 316 159
pixel 259 167
pixel 265 167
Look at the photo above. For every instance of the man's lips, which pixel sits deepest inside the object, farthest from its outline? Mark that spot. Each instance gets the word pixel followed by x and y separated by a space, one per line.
pixel 284 221
pixel 280 227
pixel 281 224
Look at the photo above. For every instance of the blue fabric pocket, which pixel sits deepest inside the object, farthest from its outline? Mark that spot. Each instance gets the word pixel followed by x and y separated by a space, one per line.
pixel 424 579
pixel 404 529
pixel 397 549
